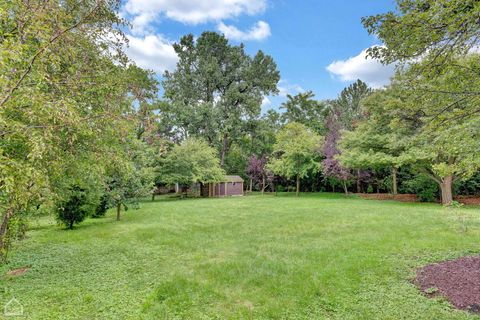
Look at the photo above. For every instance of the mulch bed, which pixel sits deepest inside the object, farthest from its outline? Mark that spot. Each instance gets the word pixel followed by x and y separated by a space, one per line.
pixel 456 280
pixel 388 196
pixel 468 200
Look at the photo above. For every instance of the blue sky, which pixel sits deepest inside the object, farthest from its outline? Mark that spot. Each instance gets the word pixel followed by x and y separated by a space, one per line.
pixel 318 45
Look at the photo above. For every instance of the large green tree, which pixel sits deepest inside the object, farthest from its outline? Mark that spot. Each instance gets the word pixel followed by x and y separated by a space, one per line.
pixel 193 161
pixel 431 38
pixel 64 96
pixel 296 153
pixel 215 87
pixel 303 108
pixel 373 144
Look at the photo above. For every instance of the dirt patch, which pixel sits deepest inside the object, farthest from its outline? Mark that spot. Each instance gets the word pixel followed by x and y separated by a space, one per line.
pixel 17 272
pixel 388 196
pixel 456 280
pixel 469 200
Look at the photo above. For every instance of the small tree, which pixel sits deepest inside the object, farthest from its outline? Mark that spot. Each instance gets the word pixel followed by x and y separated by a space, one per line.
pixel 130 175
pixel 74 209
pixel 297 151
pixel 193 161
pixel 257 172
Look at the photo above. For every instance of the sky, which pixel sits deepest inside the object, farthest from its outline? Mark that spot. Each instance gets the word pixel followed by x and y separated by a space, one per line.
pixel 318 45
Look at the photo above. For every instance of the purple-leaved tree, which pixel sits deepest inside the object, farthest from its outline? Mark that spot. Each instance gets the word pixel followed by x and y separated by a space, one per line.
pixel 331 166
pixel 258 173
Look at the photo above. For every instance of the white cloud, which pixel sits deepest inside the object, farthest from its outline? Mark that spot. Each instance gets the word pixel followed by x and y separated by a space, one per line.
pixel 285 88
pixel 144 12
pixel 266 102
pixel 258 31
pixel 152 52
pixel 372 72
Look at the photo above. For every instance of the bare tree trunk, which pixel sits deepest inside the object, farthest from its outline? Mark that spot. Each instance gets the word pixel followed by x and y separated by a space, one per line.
pixel 4 230
pixel 446 188
pixel 345 187
pixel 223 154
pixel 119 207
pixel 153 196
pixel 298 185
pixel 394 180
pixel 251 185
pixel 359 185
pixel 263 184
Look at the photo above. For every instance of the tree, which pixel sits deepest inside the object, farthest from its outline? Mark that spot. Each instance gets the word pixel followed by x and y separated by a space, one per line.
pixel 431 39
pixel 428 29
pixel 130 175
pixel 193 161
pixel 215 87
pixel 296 152
pixel 373 144
pixel 258 173
pixel 76 208
pixel 348 104
pixel 302 108
pixel 332 168
pixel 64 99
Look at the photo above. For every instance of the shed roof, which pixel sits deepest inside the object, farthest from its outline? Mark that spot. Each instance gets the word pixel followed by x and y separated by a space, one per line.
pixel 233 179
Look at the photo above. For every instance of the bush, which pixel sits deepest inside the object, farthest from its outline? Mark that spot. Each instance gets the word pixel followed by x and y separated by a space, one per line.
pixel 102 207
pixel 425 189
pixel 75 209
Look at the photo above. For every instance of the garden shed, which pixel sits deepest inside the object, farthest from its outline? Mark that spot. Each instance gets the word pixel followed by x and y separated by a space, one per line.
pixel 232 186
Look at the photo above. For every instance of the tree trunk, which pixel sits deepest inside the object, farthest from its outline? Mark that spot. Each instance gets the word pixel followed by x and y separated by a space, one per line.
pixel 153 196
pixel 4 230
pixel 446 187
pixel 223 154
pixel 345 187
pixel 251 185
pixel 359 185
pixel 263 184
pixel 70 224
pixel 119 207
pixel 394 180
pixel 298 184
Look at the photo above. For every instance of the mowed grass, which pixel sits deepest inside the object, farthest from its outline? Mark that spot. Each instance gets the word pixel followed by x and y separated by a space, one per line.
pixel 320 256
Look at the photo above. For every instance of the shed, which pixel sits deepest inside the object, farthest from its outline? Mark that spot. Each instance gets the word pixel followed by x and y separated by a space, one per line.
pixel 232 186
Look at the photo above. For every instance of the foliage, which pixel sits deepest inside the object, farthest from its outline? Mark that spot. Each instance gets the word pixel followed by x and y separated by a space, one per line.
pixel 428 29
pixel 75 208
pixel 102 207
pixel 302 108
pixel 215 87
pixel 63 98
pixel 296 152
pixel 421 185
pixel 130 176
pixel 332 168
pixel 191 162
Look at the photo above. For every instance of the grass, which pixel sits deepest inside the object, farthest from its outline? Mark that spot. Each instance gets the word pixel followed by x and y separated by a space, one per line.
pixel 320 256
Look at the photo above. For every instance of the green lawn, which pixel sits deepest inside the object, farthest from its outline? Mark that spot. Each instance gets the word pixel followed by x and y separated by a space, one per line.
pixel 314 257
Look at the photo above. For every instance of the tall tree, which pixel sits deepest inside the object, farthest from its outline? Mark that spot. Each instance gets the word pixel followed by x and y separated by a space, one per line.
pixel 296 153
pixel 303 108
pixel 63 98
pixel 348 104
pixel 373 144
pixel 215 87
